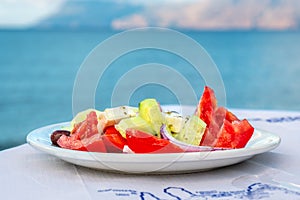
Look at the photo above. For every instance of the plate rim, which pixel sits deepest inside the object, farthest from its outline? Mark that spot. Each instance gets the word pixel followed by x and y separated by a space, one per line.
pixel 33 136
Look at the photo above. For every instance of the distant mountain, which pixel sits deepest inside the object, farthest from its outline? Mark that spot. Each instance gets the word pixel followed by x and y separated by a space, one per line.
pixel 87 14
pixel 182 15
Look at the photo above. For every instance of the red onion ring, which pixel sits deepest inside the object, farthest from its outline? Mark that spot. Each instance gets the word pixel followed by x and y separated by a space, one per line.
pixel 186 147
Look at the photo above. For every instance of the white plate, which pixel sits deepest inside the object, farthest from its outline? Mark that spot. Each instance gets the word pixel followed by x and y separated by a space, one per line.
pixel 260 142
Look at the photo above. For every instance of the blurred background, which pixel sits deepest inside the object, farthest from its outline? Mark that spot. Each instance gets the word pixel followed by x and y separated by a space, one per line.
pixel 255 45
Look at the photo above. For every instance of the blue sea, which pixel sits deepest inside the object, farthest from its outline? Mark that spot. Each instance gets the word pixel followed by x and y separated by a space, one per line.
pixel 260 70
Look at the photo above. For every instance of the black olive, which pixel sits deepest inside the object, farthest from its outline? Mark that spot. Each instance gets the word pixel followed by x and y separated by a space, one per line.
pixel 57 134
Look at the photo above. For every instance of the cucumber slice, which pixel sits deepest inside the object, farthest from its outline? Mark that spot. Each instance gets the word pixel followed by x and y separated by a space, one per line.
pixel 192 131
pixel 135 123
pixel 150 111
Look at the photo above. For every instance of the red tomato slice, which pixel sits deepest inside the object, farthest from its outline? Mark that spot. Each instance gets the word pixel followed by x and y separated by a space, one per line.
pixel 206 108
pixel 207 105
pixel 141 142
pixel 229 132
pixel 113 140
pixel 68 142
pixel 230 116
pixel 87 128
pixel 210 134
pixel 224 129
pixel 221 114
pixel 234 135
pixel 94 143
pixel 76 127
pixel 111 130
pixel 244 131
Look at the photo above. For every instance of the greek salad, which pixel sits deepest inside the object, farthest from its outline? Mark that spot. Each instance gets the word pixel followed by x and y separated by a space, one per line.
pixel 149 129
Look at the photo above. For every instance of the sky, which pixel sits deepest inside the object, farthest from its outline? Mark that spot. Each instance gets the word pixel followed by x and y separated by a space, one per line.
pixel 26 13
pixel 186 14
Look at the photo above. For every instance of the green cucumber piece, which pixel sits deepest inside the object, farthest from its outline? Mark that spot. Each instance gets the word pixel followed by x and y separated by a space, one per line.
pixel 135 123
pixel 150 111
pixel 192 131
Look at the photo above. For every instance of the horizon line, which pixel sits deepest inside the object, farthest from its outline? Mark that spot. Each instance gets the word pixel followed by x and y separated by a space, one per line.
pixel 108 28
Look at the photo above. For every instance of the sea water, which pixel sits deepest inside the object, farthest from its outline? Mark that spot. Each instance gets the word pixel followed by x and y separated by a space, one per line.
pixel 38 68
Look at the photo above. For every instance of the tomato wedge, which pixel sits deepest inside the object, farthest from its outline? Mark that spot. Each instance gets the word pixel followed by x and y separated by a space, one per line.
pixel 234 135
pixel 206 111
pixel 84 136
pixel 72 143
pixel 223 129
pixel 111 130
pixel 91 144
pixel 141 142
pixel 113 140
pixel 94 143
pixel 207 105
pixel 86 128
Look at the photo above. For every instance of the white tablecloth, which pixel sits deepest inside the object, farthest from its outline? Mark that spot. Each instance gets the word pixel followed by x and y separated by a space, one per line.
pixel 29 174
